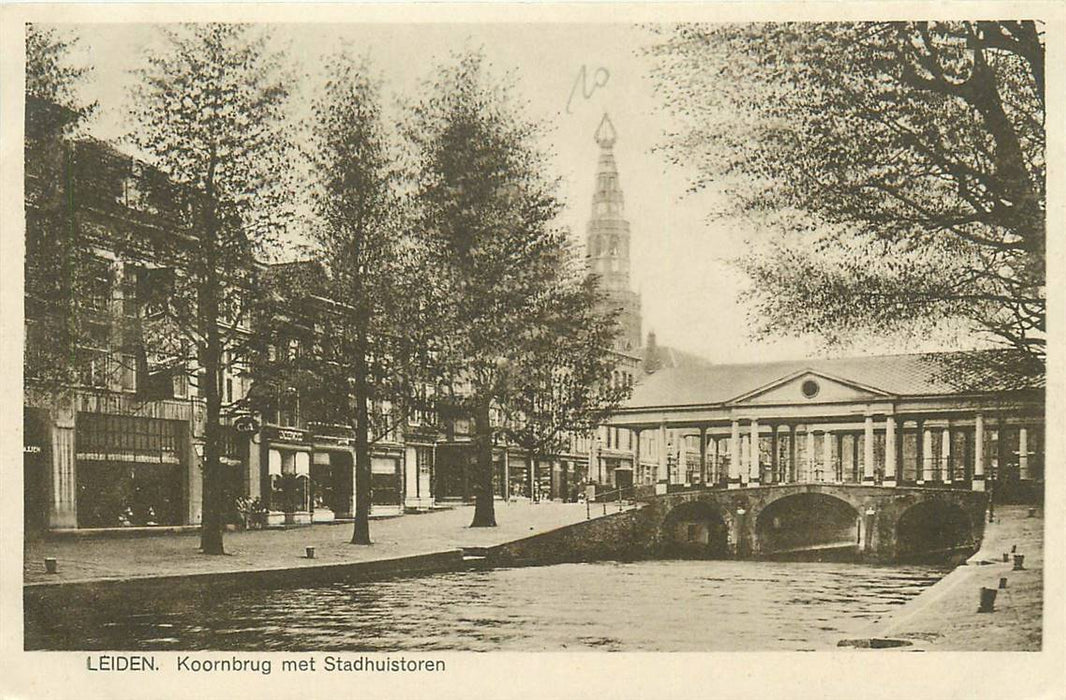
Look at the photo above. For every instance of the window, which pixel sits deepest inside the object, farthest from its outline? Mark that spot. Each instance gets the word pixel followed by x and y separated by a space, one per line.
pixel 181 384
pixel 96 279
pixel 93 353
pixel 128 372
pixel 810 388
pixel 130 276
pixel 289 408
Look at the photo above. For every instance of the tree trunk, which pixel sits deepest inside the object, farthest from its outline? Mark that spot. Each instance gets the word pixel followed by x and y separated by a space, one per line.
pixel 484 504
pixel 361 529
pixel 211 528
pixel 211 359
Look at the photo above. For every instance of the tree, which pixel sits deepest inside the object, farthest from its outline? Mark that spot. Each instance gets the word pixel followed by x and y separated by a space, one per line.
pixel 54 247
pixel 208 110
pixel 560 383
pixel 901 165
pixel 487 213
pixel 51 77
pixel 373 347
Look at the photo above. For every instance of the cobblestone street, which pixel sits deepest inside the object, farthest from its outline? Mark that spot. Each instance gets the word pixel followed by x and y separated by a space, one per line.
pixel 96 557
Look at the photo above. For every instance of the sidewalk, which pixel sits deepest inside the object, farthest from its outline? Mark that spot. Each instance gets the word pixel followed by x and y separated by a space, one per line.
pixel 97 559
pixel 945 617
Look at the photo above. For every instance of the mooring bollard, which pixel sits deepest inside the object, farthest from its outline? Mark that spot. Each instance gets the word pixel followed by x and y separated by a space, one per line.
pixel 1002 583
pixel 1006 557
pixel 309 552
pixel 1019 559
pixel 50 565
pixel 1032 512
pixel 988 600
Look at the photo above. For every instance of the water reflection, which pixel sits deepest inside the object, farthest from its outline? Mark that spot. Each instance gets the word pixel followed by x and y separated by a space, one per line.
pixel 641 606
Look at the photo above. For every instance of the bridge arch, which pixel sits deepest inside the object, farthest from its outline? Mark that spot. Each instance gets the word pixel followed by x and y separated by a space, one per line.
pixel 808 524
pixel 696 530
pixel 934 530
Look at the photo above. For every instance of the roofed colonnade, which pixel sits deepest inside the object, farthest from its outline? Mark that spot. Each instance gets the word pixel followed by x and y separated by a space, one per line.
pixel 887 420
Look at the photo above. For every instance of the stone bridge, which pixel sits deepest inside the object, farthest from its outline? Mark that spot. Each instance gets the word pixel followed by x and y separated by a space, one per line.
pixel 817 521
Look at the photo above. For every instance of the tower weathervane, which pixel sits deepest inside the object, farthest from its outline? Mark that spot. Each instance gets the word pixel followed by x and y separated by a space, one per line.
pixel 605 133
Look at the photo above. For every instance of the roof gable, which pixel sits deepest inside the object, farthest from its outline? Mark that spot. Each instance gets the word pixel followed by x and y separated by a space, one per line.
pixel 808 386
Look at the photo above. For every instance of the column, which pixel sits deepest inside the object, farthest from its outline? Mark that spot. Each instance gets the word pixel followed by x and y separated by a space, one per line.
pixel 918 425
pixel 827 456
pixel 593 460
pixel 506 476
pixel 927 455
pixel 663 472
pixel 810 454
pixel 838 467
pixel 978 453
pixel 753 454
pixel 63 481
pixel 636 456
pixel 745 458
pixel 890 451
pixel 1023 454
pixel 791 455
pixel 716 461
pixel 775 477
pixel 856 468
pixel 703 455
pixel 945 455
pixel 734 456
pixel 868 476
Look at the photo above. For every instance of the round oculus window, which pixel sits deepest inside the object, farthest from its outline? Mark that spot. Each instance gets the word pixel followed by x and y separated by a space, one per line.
pixel 810 388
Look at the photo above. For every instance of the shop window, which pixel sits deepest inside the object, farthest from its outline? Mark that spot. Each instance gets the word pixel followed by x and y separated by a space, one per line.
pixel 385 481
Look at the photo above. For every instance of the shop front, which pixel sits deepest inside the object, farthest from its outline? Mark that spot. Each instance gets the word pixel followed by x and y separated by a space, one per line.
pixel 130 471
pixel 287 479
pixel 36 468
pixel 386 482
pixel 418 476
pixel 332 474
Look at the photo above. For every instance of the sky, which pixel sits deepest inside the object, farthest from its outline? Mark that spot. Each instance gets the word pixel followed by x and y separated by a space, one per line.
pixel 691 295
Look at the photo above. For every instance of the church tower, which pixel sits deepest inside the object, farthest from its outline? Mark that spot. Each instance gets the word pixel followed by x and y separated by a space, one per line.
pixel 607 241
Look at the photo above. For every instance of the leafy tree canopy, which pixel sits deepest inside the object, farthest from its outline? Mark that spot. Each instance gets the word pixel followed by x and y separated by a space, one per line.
pixel 488 215
pixel 900 167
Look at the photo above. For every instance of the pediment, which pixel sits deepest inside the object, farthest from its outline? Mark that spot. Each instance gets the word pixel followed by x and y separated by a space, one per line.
pixel 807 387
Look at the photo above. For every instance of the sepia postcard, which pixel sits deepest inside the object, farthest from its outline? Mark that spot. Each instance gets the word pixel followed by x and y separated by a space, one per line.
pixel 533 350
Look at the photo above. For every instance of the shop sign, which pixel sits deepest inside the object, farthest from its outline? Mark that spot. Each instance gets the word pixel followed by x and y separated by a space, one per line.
pixel 140 458
pixel 246 424
pixel 31 449
pixel 287 434
pixel 332 440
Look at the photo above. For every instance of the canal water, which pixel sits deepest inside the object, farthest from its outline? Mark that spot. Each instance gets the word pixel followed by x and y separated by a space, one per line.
pixel 683 605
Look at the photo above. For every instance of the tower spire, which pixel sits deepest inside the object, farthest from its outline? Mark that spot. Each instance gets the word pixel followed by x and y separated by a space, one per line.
pixel 607 240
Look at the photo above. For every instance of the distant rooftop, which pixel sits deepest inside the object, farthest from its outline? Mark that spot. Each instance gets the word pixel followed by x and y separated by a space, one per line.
pixel 694 381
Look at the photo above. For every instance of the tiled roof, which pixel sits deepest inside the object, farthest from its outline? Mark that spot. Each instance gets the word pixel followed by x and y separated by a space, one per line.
pixel 902 375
